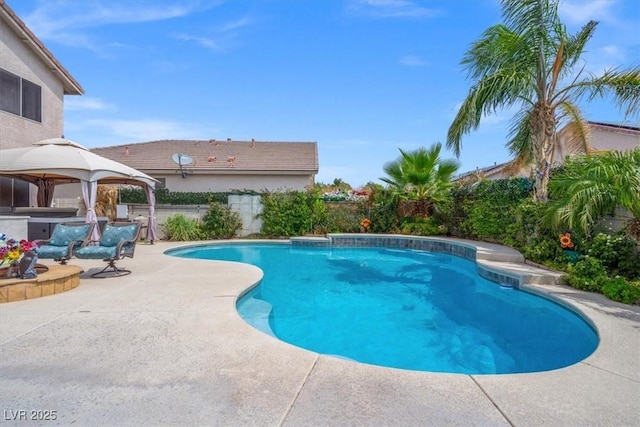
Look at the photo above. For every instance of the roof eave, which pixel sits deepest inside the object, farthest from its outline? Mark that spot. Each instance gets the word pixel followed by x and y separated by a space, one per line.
pixel 229 171
pixel 70 85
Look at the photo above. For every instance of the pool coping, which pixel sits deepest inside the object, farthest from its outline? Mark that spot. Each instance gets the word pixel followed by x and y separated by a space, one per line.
pixel 497 263
pixel 165 344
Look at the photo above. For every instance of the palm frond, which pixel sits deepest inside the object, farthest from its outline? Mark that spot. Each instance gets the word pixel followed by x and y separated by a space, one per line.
pixel 519 137
pixel 577 131
pixel 517 166
pixel 589 187
pixel 556 70
pixel 497 91
pixel 624 86
pixel 497 50
pixel 576 44
pixel 421 174
pixel 534 18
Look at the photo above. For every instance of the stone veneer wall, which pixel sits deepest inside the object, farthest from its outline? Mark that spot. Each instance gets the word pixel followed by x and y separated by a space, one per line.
pixel 58 278
pixel 408 242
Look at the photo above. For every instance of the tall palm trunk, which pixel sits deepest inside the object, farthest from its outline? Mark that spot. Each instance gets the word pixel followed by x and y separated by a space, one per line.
pixel 543 141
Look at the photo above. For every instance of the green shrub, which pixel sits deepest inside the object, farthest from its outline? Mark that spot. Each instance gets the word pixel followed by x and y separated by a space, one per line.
pixel 166 197
pixel 491 207
pixel 383 208
pixel 220 222
pixel 423 227
pixel 528 226
pixel 544 250
pixel 286 214
pixel 319 217
pixel 588 274
pixel 618 253
pixel 180 228
pixel 343 219
pixel 619 289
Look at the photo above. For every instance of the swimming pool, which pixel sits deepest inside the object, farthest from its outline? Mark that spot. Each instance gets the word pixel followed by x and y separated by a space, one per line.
pixel 407 309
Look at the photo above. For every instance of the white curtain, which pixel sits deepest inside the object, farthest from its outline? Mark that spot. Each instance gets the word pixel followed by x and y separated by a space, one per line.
pixel 151 224
pixel 90 194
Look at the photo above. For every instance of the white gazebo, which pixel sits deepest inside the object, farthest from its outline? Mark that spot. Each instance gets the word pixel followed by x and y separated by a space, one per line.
pixel 59 161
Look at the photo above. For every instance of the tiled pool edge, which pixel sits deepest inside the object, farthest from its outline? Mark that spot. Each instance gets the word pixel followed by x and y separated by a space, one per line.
pixel 471 250
pixel 497 263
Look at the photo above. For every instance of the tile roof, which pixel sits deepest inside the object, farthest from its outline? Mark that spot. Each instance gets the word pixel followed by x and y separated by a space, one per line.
pixel 71 86
pixel 481 172
pixel 249 156
pixel 617 127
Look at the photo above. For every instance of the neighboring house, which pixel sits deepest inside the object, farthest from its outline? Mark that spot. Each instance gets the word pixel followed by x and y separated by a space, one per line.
pixel 221 166
pixel 495 172
pixel 602 137
pixel 32 88
pixel 606 137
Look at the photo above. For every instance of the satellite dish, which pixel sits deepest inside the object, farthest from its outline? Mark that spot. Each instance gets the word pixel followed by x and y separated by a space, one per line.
pixel 182 160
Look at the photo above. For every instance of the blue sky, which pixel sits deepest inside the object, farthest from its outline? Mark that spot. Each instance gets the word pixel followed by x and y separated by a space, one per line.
pixel 362 78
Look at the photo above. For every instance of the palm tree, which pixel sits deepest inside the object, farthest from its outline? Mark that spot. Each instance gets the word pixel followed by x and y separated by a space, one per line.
pixel 532 63
pixel 421 176
pixel 588 187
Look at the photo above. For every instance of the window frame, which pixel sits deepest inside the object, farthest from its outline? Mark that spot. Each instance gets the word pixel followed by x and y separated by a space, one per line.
pixel 25 96
pixel 11 94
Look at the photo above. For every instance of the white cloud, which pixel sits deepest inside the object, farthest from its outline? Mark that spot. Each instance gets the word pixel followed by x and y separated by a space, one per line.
pixel 202 41
pixel 582 11
pixel 604 58
pixel 613 54
pixel 63 20
pixel 412 61
pixel 234 25
pixel 389 9
pixel 225 34
pixel 74 103
pixel 143 130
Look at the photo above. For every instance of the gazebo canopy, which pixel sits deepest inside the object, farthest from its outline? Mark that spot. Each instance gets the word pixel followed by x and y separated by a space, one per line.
pixel 59 161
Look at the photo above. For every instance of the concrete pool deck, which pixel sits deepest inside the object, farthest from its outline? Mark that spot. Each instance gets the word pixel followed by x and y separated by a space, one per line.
pixel 165 346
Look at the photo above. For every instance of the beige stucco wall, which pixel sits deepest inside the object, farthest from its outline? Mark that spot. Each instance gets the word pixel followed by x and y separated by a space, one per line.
pixel 606 139
pixel 17 58
pixel 614 140
pixel 16 131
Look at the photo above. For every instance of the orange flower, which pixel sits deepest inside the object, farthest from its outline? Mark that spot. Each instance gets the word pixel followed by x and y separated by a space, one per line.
pixel 565 241
pixel 365 223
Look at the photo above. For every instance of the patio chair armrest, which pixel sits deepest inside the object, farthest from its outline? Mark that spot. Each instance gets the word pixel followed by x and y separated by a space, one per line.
pixel 125 248
pixel 77 244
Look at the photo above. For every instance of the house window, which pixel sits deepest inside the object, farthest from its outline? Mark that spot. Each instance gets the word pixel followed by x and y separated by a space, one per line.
pixel 9 92
pixel 20 96
pixel 31 101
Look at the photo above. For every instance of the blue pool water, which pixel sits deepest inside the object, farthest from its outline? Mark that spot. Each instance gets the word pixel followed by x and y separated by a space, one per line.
pixel 405 309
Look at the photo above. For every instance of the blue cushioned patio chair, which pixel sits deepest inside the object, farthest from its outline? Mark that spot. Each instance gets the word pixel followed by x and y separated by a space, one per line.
pixel 66 238
pixel 117 242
